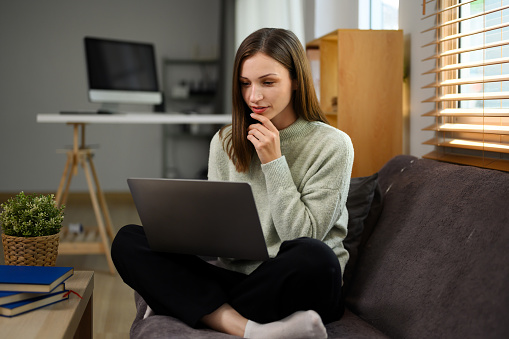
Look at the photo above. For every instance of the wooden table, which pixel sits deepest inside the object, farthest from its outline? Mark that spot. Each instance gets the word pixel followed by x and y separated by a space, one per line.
pixel 66 319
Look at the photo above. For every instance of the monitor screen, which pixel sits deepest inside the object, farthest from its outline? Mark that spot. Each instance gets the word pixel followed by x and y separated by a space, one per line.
pixel 121 72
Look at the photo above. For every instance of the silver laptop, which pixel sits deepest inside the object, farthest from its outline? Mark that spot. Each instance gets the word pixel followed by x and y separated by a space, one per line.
pixel 200 217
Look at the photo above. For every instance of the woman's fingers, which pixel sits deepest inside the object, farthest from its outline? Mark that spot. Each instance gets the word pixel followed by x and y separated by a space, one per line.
pixel 265 139
pixel 264 122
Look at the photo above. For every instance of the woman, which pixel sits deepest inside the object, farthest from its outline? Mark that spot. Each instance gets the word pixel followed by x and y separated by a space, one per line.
pixel 299 169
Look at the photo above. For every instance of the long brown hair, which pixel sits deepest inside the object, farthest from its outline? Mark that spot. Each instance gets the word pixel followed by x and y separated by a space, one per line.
pixel 283 46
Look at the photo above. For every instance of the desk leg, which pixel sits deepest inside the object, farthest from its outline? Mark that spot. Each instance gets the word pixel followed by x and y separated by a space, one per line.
pixel 58 197
pixel 100 221
pixel 102 200
pixel 71 167
pixel 81 155
pixel 72 162
pixel 86 326
pixel 74 168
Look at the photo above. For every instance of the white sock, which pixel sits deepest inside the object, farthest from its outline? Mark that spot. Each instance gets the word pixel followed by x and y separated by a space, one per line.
pixel 148 312
pixel 302 324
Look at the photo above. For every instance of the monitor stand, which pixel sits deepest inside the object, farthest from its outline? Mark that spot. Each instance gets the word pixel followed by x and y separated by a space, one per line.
pixel 108 108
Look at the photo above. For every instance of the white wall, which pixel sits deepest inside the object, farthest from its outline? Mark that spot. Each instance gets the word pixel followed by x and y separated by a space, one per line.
pixel 252 15
pixel 42 70
pixel 335 14
pixel 410 13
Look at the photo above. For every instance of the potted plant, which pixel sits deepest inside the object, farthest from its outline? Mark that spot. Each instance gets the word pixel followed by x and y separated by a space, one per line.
pixel 31 225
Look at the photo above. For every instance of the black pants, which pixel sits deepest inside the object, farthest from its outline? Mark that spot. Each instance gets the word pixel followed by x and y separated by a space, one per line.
pixel 305 275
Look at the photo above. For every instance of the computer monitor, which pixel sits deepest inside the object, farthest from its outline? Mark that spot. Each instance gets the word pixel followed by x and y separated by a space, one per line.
pixel 121 72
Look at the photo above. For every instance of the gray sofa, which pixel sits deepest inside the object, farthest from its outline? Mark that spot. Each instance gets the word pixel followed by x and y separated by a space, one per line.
pixel 429 246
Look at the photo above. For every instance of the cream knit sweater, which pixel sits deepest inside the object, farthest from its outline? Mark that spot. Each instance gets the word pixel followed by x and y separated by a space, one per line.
pixel 301 194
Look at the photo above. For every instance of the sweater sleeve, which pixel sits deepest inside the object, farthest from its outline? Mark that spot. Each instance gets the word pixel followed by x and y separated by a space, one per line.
pixel 215 160
pixel 311 208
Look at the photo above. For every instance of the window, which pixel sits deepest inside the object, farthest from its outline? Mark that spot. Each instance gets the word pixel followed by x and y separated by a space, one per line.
pixel 378 14
pixel 470 104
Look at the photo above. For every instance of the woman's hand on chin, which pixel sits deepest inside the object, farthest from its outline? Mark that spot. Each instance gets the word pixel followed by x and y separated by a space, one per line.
pixel 265 138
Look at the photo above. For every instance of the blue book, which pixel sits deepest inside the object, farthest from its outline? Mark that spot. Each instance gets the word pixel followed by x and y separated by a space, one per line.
pixel 20 307
pixel 7 297
pixel 32 278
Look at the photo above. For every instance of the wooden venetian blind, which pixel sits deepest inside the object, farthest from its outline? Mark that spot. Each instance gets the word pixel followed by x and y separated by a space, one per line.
pixel 470 105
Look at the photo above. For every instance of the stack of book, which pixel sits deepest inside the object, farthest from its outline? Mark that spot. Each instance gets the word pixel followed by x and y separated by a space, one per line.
pixel 26 288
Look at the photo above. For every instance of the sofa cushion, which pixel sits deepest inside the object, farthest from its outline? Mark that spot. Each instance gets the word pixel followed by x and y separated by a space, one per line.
pixel 161 326
pixel 351 326
pixel 158 326
pixel 364 205
pixel 436 263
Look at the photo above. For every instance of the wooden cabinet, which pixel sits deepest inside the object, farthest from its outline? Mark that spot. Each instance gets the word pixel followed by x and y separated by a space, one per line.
pixel 358 76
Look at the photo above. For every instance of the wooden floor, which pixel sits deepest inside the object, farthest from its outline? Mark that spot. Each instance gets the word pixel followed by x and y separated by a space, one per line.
pixel 114 307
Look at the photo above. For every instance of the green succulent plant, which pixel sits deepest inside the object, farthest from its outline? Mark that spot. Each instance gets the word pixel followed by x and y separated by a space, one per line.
pixel 31 215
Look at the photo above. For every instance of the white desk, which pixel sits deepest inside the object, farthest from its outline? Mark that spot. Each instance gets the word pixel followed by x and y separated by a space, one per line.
pixel 80 154
pixel 136 118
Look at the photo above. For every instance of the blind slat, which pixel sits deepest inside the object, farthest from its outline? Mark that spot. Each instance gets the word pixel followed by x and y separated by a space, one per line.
pixel 455 21
pixel 466 81
pixel 432 85
pixel 469 112
pixel 441 156
pixel 469 96
pixel 469 144
pixel 453 67
pixel 433 113
pixel 469 33
pixel 474 48
pixel 465 34
pixel 470 128
pixel 447 9
pixel 498 164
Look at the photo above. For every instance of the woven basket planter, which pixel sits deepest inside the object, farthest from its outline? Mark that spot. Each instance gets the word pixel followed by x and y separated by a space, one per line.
pixel 30 251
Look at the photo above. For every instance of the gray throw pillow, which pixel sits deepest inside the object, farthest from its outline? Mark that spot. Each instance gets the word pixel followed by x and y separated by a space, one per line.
pixel 364 205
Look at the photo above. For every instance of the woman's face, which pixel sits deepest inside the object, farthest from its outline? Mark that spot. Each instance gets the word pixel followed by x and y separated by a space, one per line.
pixel 267 89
